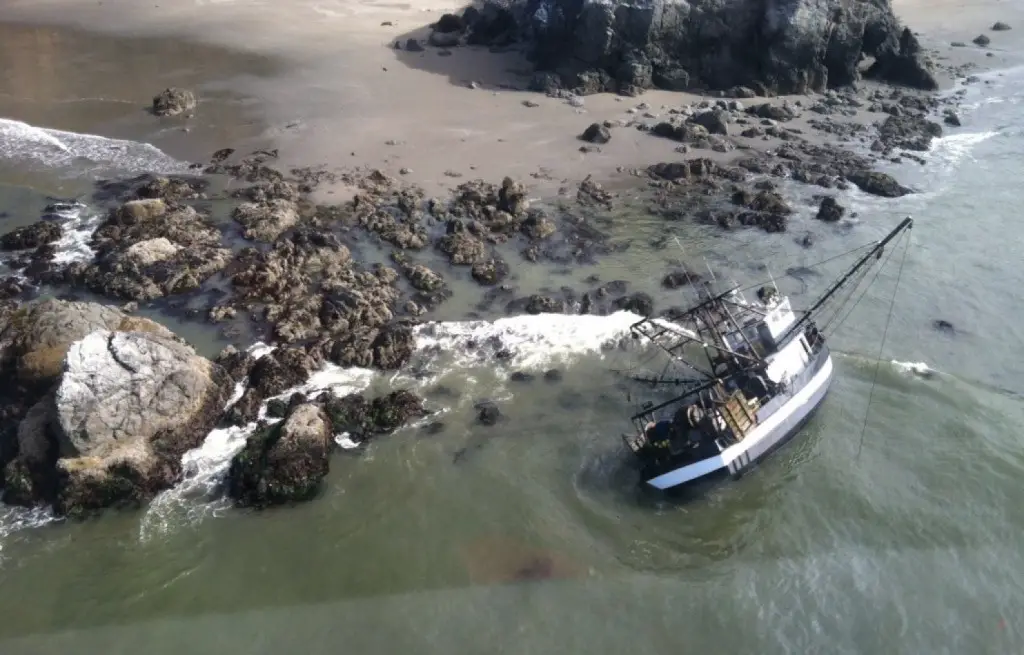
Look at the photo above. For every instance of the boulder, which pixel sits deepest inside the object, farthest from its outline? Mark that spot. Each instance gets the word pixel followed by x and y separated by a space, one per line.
pixel 284 462
pixel 596 133
pixel 173 101
pixel 714 121
pixel 115 402
pixel 37 339
pixel 128 406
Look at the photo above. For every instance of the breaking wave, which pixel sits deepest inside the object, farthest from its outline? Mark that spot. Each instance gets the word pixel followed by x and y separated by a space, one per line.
pixel 21 142
pixel 535 343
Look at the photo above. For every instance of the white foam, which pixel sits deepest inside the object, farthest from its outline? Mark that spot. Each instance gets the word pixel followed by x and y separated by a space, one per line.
pixel 535 341
pixel 951 149
pixel 14 519
pixel 920 369
pixel 77 228
pixel 59 149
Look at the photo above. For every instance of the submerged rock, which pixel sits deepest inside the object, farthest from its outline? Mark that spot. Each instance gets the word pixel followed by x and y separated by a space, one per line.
pixel 364 419
pixel 284 462
pixel 878 184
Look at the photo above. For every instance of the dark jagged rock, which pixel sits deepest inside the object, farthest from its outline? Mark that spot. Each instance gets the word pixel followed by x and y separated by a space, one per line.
pixel 596 133
pixel 771 111
pixel 790 47
pixel 830 211
pixel 981 40
pixel 999 26
pixel 942 325
pixel 31 236
pixel 950 118
pixel 878 184
pixel 905 66
pixel 283 462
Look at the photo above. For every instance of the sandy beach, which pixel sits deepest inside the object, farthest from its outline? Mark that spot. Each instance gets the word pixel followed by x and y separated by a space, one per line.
pixel 344 96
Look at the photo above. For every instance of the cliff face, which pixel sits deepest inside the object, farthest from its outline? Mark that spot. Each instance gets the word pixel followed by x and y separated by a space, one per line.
pixel 770 46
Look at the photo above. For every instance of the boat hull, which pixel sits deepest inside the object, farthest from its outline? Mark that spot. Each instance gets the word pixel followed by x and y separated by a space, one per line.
pixel 771 433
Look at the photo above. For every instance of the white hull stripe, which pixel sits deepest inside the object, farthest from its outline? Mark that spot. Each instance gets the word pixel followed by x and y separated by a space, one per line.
pixel 765 435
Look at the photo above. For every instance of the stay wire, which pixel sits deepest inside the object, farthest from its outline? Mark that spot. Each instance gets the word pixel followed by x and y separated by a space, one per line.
pixel 881 347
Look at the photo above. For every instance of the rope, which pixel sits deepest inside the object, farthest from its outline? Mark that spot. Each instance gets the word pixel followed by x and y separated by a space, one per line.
pixel 885 333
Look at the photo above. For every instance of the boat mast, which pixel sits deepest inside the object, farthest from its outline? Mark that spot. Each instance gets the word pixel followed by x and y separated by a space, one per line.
pixel 875 252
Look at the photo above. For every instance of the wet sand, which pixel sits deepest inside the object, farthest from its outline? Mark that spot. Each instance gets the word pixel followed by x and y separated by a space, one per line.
pixel 344 96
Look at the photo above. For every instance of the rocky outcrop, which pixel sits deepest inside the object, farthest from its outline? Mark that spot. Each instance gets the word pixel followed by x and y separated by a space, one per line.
pixel 283 462
pixel 150 248
pixel 124 399
pixel 173 101
pixel 780 46
pixel 905 66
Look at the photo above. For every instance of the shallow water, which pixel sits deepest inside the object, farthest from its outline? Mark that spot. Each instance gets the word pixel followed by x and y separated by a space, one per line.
pixel 531 536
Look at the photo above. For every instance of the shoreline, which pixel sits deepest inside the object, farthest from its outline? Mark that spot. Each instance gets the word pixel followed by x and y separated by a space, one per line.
pixel 414 112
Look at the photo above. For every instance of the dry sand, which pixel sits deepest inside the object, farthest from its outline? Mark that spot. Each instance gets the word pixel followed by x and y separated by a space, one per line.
pixel 349 98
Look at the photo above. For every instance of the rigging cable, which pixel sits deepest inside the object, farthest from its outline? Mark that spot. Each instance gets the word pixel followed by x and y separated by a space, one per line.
pixel 885 332
pixel 863 293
